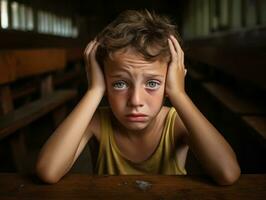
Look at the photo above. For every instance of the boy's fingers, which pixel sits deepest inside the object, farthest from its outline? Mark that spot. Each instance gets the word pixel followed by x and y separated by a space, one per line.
pixel 172 50
pixel 89 48
pixel 176 43
pixel 179 51
pixel 87 53
pixel 93 51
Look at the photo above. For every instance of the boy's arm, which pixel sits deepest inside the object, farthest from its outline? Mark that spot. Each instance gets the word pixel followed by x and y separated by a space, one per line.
pixel 62 148
pixel 208 145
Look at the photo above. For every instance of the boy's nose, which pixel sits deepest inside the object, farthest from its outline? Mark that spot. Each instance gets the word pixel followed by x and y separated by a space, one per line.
pixel 135 98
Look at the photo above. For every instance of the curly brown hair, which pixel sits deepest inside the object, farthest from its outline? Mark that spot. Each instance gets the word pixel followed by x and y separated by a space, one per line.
pixel 144 31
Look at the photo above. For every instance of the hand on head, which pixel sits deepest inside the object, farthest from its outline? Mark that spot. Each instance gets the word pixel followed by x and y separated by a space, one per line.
pixel 95 75
pixel 175 79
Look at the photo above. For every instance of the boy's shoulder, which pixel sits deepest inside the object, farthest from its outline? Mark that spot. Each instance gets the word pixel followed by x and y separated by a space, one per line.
pixel 96 120
pixel 179 127
pixel 162 116
pixel 165 111
pixel 166 108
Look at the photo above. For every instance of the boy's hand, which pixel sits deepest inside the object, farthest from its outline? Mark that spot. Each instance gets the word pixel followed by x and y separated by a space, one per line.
pixel 94 73
pixel 175 80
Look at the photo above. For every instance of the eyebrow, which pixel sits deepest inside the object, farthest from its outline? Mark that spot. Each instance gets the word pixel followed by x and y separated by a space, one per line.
pixel 153 75
pixel 146 75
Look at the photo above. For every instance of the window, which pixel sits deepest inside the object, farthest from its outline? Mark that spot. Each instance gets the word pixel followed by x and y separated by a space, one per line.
pixel 15 17
pixel 22 18
pixel 4 13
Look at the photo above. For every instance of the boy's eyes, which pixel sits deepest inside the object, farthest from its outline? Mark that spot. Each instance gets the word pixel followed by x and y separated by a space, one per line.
pixel 151 84
pixel 120 85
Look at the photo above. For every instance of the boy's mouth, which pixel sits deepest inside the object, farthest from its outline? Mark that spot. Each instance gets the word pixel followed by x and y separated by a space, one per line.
pixel 136 117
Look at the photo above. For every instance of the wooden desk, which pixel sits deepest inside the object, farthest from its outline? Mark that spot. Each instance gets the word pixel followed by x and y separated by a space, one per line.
pixel 79 186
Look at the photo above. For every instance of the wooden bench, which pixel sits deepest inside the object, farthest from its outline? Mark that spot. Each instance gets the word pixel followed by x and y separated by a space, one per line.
pixel 74 74
pixel 246 121
pixel 249 112
pixel 238 115
pixel 233 94
pixel 231 101
pixel 21 117
pixel 243 107
pixel 240 54
pixel 19 67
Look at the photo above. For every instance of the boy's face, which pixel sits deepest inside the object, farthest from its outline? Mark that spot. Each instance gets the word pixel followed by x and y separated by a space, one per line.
pixel 134 86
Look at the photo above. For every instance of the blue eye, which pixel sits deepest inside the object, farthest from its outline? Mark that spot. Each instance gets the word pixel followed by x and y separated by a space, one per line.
pixel 153 84
pixel 120 85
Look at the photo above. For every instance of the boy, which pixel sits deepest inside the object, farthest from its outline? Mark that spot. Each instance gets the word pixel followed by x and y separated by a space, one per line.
pixel 136 62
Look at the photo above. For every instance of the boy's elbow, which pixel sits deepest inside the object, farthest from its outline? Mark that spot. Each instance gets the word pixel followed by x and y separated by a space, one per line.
pixel 229 177
pixel 46 175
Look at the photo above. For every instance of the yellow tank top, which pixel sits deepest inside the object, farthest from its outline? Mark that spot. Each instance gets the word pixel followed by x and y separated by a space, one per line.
pixel 163 160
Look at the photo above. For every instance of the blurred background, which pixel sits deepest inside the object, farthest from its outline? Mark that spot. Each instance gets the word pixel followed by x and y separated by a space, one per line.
pixel 42 75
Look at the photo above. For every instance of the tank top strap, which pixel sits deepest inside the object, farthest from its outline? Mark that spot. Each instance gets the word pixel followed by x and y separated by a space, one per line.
pixel 104 120
pixel 169 128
